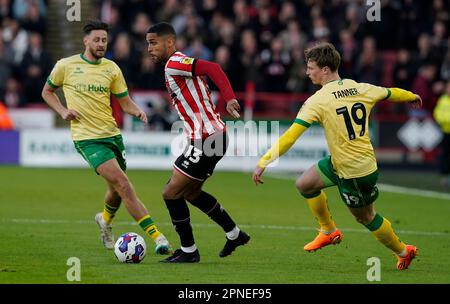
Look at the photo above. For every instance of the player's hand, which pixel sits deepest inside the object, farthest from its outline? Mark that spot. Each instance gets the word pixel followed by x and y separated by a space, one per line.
pixel 417 103
pixel 142 116
pixel 70 114
pixel 257 174
pixel 233 108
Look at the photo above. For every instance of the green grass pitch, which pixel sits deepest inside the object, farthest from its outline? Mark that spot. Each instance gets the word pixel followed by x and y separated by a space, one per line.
pixel 47 216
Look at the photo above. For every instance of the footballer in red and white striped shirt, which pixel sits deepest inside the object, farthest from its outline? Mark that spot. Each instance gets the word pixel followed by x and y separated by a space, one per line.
pixel 191 98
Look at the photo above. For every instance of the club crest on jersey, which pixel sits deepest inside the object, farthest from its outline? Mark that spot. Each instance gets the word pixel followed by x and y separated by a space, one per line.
pixel 183 60
pixel 187 60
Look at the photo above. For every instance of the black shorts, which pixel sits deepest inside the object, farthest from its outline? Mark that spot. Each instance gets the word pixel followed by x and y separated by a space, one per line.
pixel 201 156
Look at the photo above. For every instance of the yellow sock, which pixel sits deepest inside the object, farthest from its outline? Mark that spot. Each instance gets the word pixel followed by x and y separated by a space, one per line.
pixel 109 212
pixel 318 204
pixel 382 230
pixel 149 227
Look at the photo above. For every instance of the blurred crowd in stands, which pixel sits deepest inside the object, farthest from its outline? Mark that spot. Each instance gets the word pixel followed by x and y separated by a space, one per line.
pixel 255 41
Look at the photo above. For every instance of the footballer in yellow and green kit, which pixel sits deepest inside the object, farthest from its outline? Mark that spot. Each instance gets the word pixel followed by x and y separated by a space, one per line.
pixel 342 108
pixel 87 88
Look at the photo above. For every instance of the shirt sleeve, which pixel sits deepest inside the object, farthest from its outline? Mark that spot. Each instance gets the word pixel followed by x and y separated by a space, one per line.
pixel 180 66
pixel 375 93
pixel 119 86
pixel 56 77
pixel 309 113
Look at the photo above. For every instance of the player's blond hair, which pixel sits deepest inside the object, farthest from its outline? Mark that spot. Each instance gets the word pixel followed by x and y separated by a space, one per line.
pixel 324 54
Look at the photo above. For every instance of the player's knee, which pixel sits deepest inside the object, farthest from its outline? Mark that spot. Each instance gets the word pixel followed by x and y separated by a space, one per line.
pixel 170 193
pixel 304 186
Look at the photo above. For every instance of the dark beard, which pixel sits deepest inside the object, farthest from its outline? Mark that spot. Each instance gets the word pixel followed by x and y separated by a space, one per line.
pixel 93 53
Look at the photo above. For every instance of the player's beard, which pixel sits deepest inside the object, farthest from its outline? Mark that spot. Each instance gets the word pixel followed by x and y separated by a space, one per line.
pixel 97 54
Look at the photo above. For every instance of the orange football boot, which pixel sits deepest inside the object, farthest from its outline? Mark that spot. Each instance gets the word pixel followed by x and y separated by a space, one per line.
pixel 404 262
pixel 323 240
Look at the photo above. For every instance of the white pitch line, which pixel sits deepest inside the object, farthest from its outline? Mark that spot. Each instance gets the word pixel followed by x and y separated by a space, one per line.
pixel 392 189
pixel 414 191
pixel 265 227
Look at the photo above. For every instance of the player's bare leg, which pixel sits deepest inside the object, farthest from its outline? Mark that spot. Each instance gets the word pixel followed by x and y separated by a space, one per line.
pixel 310 185
pixel 104 219
pixel 384 233
pixel 116 177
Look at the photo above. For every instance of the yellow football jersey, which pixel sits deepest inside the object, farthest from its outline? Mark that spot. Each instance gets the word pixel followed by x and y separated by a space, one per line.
pixel 343 107
pixel 87 87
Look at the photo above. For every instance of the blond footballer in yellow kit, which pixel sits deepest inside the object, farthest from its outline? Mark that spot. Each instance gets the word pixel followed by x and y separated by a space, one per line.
pixel 342 108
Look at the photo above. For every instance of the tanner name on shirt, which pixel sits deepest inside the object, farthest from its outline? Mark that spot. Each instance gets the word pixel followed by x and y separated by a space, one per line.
pixel 345 93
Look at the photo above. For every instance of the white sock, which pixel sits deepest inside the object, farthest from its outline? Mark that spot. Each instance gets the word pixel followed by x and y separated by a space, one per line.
pixel 328 232
pixel 233 234
pixel 189 249
pixel 403 253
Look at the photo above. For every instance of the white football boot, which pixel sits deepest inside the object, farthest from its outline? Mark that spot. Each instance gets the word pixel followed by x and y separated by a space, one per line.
pixel 106 234
pixel 162 245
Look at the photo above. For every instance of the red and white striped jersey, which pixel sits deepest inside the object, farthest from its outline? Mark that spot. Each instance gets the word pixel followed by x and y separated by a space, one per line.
pixel 191 97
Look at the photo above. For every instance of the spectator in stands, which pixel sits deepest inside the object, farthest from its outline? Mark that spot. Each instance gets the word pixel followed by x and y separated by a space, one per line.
pixel 198 50
pixel 6 62
pixel 126 58
pixel 298 80
pixel 445 67
pixel 266 25
pixel 33 20
pixel 275 66
pixel 293 37
pixel 287 13
pixel 148 75
pixel 13 97
pixel 223 57
pixel 15 37
pixel 242 15
pixel 139 30
pixel 21 7
pixel 441 114
pixel 369 63
pixel 6 122
pixel 404 70
pixel 422 85
pixel 36 66
pixel 5 10
pixel 168 10
pixel 320 30
pixel 426 53
pixel 249 60
pixel 112 16
pixel 348 48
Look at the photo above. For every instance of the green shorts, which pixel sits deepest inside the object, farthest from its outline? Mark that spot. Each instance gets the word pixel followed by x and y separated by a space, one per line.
pixel 355 192
pixel 98 151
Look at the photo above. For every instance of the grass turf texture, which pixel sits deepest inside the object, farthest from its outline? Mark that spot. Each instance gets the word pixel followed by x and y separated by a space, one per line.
pixel 47 216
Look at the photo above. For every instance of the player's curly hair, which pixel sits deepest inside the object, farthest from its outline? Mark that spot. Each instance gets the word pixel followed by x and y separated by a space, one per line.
pixel 324 54
pixel 95 25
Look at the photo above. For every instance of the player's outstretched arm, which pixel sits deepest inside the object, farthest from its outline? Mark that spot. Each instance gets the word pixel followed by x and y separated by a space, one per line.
pixel 400 95
pixel 283 144
pixel 217 75
pixel 129 107
pixel 48 94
